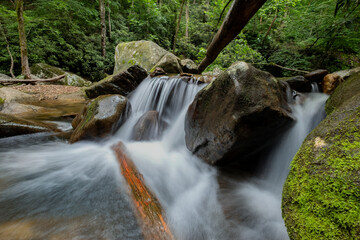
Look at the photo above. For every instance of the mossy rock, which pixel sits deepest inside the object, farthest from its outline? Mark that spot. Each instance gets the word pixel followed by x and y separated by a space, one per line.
pixel 143 53
pixel 13 126
pixel 343 92
pixel 169 63
pixel 100 117
pixel 321 196
pixel 42 70
pixel 121 83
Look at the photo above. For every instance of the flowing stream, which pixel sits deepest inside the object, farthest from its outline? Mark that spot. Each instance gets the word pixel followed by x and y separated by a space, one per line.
pixel 52 190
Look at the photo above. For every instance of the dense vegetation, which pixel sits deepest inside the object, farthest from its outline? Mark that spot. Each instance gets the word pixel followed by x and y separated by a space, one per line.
pixel 302 34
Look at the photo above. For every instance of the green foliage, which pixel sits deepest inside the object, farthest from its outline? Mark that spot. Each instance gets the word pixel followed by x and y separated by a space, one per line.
pixel 2 101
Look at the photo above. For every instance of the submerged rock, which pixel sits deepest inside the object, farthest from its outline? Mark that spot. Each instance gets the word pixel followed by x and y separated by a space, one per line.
pixel 13 126
pixel 147 127
pixel 321 196
pixel 42 70
pixel 236 114
pixel 121 83
pixel 100 118
pixel 143 53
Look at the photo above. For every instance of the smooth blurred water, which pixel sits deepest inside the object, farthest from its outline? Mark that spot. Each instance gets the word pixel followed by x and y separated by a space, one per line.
pixel 52 190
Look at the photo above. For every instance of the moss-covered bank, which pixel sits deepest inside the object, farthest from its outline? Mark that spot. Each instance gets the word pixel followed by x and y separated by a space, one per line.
pixel 321 196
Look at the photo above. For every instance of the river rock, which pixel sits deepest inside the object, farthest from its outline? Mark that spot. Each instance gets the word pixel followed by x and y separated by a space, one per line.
pixel 321 196
pixel 169 63
pixel 299 83
pixel 121 83
pixel 143 53
pixel 330 82
pixel 13 126
pixel 157 72
pixel 100 117
pixel 316 76
pixel 348 72
pixel 236 114
pixel 3 76
pixel 147 127
pixel 42 70
pixel 188 66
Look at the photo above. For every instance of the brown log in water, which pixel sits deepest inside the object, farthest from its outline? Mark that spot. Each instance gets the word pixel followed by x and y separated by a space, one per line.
pixel 147 208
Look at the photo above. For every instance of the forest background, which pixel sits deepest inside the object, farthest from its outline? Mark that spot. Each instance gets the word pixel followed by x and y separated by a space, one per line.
pixel 297 34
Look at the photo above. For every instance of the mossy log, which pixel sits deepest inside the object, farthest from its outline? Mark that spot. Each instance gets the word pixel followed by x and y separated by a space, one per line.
pixel 147 208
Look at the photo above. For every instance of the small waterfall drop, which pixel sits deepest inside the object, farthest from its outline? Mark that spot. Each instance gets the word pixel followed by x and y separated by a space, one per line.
pixel 50 189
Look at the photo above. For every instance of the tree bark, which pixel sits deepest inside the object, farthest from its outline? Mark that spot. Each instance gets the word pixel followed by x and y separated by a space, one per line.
pixel 109 19
pixel 8 49
pixel 269 29
pixel 103 27
pixel 148 208
pixel 187 21
pixel 240 12
pixel 25 69
pixel 178 24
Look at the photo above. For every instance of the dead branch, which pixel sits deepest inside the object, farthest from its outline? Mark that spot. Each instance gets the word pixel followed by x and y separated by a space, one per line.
pixel 14 80
pixel 148 209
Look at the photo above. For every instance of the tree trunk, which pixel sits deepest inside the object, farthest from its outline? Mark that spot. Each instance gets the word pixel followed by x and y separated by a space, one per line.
pixel 109 19
pixel 103 27
pixel 269 29
pixel 25 69
pixel 178 24
pixel 240 12
pixel 8 49
pixel 148 209
pixel 187 21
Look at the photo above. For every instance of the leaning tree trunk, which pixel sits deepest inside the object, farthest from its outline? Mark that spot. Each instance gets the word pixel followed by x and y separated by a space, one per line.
pixel 240 12
pixel 25 69
pixel 103 27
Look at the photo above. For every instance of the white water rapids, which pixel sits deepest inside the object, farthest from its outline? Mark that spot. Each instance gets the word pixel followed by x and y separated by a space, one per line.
pixel 52 190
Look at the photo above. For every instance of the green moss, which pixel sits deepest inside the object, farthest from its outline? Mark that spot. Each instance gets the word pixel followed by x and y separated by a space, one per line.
pixel 321 198
pixel 2 101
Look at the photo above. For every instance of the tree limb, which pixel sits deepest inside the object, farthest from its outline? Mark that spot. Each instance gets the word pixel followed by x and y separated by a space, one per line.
pixel 32 80
pixel 8 49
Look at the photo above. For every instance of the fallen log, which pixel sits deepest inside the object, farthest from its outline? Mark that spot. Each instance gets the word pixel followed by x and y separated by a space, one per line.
pixel 147 208
pixel 14 80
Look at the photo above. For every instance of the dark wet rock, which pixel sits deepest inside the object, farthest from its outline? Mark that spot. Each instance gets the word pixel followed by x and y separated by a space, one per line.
pixel 169 63
pixel 321 194
pixel 121 83
pixel 330 82
pixel 236 114
pixel 42 70
pixel 299 83
pixel 100 118
pixel 188 66
pixel 316 76
pixel 157 72
pixel 147 127
pixel 13 126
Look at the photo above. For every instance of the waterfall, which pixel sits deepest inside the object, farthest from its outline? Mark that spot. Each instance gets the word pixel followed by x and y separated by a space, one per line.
pixel 50 189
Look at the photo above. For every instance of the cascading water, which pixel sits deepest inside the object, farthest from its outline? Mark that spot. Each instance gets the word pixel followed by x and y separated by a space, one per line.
pixel 53 190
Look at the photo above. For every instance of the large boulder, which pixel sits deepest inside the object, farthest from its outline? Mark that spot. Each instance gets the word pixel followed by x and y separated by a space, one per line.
pixel 121 83
pixel 317 75
pixel 143 53
pixel 100 117
pixel 13 126
pixel 321 196
pixel 42 70
pixel 189 66
pixel 347 72
pixel 236 114
pixel 330 82
pixel 3 76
